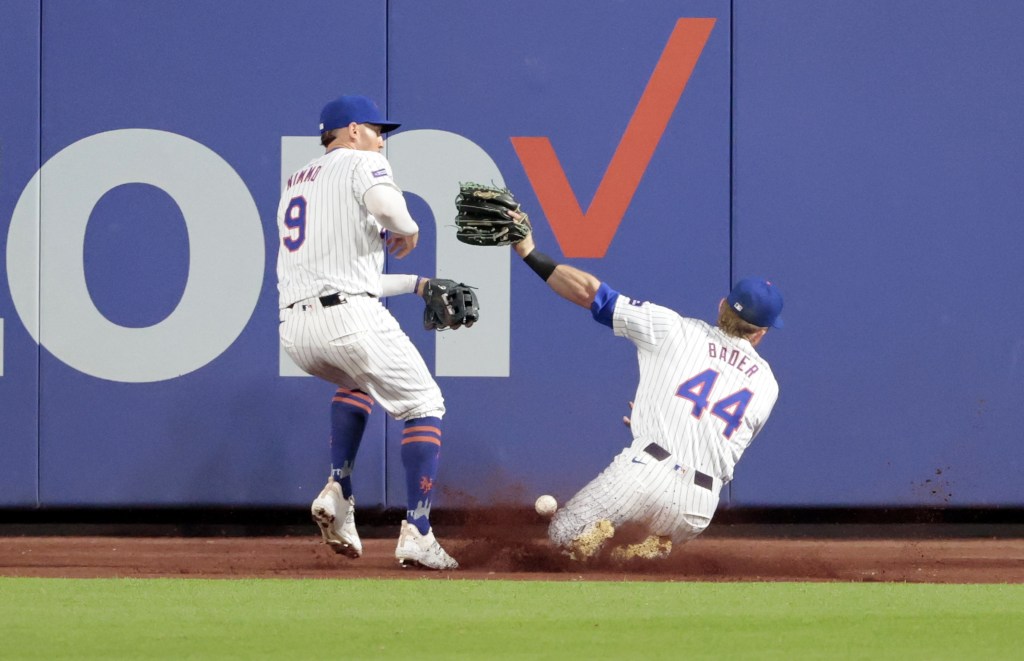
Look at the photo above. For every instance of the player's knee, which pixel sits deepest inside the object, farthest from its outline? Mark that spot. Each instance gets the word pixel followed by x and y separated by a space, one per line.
pixel 424 412
pixel 563 528
pixel 429 410
pixel 434 406
pixel 690 527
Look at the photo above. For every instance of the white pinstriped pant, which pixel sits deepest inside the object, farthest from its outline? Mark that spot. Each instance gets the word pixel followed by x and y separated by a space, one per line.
pixel 358 344
pixel 636 488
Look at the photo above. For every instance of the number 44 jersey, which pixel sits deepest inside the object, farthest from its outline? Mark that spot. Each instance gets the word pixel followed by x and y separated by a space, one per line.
pixel 703 395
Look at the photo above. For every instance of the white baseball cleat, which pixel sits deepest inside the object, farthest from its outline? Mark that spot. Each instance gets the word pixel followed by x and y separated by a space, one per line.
pixel 652 548
pixel 337 520
pixel 588 545
pixel 419 550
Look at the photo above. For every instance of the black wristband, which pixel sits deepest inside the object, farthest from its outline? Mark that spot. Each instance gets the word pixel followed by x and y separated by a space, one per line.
pixel 541 264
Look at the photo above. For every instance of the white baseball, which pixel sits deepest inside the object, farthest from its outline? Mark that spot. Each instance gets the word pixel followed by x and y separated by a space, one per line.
pixel 546 505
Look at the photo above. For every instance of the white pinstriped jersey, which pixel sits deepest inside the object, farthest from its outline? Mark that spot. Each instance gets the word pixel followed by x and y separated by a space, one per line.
pixel 703 395
pixel 329 241
pixel 702 398
pixel 331 244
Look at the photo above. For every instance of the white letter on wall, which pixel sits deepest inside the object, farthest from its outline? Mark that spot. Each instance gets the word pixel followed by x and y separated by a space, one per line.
pixel 226 255
pixel 431 164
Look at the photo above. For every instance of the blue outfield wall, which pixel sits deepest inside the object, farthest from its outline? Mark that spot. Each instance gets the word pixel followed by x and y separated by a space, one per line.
pixel 865 155
pixel 19 160
pixel 878 171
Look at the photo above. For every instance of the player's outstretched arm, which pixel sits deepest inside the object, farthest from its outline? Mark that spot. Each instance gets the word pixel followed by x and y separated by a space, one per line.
pixel 570 283
pixel 449 304
pixel 395 284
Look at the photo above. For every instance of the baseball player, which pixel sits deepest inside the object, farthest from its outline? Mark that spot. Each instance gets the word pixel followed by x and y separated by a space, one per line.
pixel 336 216
pixel 704 394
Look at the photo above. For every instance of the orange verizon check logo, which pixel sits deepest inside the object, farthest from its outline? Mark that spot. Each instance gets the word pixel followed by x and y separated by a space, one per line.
pixel 590 234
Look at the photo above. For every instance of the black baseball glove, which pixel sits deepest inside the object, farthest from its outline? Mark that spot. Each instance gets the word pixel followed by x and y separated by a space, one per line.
pixel 450 304
pixel 489 216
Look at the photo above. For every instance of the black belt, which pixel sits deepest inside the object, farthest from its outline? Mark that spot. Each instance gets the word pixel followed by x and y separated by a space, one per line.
pixel 700 479
pixel 328 301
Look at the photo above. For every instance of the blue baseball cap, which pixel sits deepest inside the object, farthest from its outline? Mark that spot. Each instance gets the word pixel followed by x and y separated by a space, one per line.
pixel 359 109
pixel 757 301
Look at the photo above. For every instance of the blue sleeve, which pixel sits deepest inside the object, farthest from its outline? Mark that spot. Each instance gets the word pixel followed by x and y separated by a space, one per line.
pixel 604 304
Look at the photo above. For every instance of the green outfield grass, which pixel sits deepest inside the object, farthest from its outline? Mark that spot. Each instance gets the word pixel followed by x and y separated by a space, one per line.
pixel 462 619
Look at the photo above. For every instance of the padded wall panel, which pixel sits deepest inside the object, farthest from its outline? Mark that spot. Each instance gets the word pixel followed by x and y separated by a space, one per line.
pixel 19 160
pixel 233 78
pixel 878 177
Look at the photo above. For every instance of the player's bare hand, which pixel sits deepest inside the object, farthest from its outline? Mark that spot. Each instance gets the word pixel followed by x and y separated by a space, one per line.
pixel 525 247
pixel 399 246
pixel 625 418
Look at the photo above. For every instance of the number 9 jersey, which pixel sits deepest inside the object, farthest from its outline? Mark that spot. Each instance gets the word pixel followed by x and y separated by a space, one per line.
pixel 329 242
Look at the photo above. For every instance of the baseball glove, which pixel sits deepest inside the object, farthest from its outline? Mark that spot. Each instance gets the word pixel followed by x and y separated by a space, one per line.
pixel 450 304
pixel 489 216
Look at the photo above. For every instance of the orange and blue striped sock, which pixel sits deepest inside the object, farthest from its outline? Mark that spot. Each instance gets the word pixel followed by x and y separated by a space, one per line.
pixel 350 409
pixel 421 450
